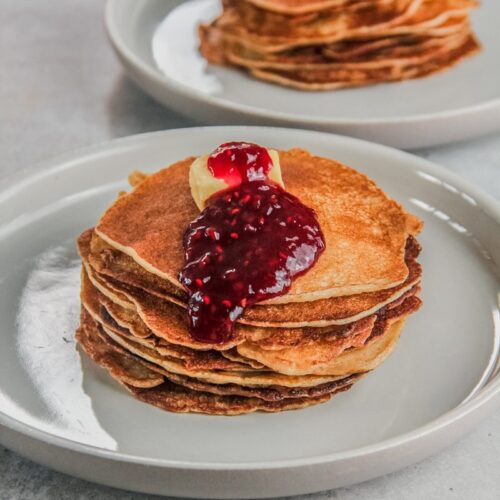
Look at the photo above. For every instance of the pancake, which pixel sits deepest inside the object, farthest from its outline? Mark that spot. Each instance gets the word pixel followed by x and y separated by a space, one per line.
pixel 297 7
pixel 249 378
pixel 222 46
pixel 174 398
pixel 332 45
pixel 169 322
pixel 335 358
pixel 120 367
pixel 233 355
pixel 268 338
pixel 269 393
pixel 365 231
pixel 332 79
pixel 418 17
pixel 315 356
pixel 336 20
pixel 339 322
pixel 111 262
pixel 366 66
pixel 169 396
pixel 126 318
pixel 320 313
pixel 272 393
pixel 393 48
pixel 310 345
pixel 263 31
pixel 350 362
pixel 192 359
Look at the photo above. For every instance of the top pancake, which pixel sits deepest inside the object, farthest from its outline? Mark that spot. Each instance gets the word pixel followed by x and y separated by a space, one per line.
pixel 365 231
pixel 341 20
pixel 298 7
pixel 418 16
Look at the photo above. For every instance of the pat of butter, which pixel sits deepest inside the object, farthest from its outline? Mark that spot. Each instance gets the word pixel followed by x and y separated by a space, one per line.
pixel 203 184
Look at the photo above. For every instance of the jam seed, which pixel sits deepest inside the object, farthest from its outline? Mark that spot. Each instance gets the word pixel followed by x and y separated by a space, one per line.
pixel 226 303
pixel 234 236
pixel 206 300
pixel 196 235
pixel 212 233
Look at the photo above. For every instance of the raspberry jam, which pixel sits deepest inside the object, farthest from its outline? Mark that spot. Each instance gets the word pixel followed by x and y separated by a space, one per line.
pixel 246 246
pixel 237 162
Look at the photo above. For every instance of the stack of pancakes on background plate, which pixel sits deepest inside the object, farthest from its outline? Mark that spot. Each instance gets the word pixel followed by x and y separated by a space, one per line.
pixel 329 44
pixel 338 322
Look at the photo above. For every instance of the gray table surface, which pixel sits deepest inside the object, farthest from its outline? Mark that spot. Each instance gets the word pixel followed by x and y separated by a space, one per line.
pixel 61 89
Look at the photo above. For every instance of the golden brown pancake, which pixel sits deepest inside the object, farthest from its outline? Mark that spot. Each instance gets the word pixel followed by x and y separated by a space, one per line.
pixel 169 322
pixel 291 353
pixel 233 355
pixel 313 345
pixel 317 45
pixel 109 261
pixel 297 7
pixel 397 47
pixel 120 367
pixel 327 357
pixel 332 79
pixel 346 18
pixel 320 313
pixel 334 20
pixel 275 393
pixel 366 66
pixel 148 386
pixel 365 231
pixel 418 17
pixel 249 378
pixel 192 359
pixel 143 368
pixel 319 354
pixel 310 69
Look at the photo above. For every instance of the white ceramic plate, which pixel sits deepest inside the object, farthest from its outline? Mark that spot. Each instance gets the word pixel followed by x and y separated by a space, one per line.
pixel 59 409
pixel 157 44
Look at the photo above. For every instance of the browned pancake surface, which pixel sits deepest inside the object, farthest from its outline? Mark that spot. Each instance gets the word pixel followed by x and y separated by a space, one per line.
pixel 306 45
pixel 152 388
pixel 337 310
pixel 365 231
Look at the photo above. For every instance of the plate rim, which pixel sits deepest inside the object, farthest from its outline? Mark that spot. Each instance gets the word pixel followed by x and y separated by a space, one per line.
pixel 487 394
pixel 120 46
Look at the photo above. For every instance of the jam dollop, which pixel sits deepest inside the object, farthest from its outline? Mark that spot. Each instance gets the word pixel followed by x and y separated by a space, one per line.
pixel 237 162
pixel 246 246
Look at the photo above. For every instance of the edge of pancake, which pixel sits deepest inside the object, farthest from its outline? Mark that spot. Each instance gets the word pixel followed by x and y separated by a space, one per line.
pixel 395 271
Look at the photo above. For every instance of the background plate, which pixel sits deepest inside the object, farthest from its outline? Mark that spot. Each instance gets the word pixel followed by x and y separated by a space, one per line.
pixel 58 408
pixel 457 104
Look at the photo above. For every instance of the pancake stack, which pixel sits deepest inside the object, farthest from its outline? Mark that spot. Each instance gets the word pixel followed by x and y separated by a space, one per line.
pixel 338 321
pixel 331 44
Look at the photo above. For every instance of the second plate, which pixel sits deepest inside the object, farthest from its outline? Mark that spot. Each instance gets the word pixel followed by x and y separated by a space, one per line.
pixel 157 44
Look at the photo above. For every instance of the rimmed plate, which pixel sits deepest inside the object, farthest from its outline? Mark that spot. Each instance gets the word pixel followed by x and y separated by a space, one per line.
pixel 157 43
pixel 59 409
